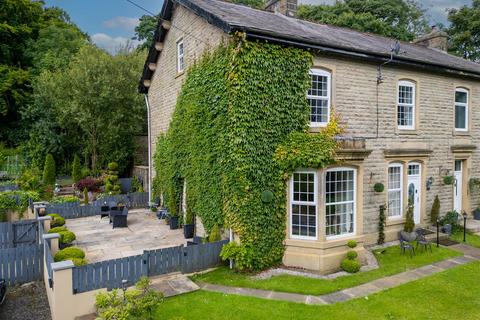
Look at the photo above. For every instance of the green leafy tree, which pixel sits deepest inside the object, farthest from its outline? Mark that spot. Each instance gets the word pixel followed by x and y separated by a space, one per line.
pixel 49 171
pixel 76 169
pixel 464 31
pixel 145 30
pixel 400 19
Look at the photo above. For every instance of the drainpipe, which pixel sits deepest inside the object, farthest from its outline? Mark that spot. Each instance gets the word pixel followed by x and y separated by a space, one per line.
pixel 231 239
pixel 149 153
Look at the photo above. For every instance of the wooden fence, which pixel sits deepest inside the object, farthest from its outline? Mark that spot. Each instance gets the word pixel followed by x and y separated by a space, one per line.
pixel 109 274
pixel 22 264
pixel 18 233
pixel 75 210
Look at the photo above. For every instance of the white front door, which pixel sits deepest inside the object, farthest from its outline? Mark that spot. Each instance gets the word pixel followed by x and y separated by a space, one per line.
pixel 414 182
pixel 457 187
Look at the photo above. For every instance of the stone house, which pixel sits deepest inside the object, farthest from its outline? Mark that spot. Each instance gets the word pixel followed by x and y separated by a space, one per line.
pixel 410 116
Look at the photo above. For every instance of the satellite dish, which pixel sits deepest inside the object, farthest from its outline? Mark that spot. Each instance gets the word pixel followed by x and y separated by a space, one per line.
pixel 396 47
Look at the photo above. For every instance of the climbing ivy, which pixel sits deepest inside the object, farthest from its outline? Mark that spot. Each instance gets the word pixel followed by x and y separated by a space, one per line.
pixel 239 127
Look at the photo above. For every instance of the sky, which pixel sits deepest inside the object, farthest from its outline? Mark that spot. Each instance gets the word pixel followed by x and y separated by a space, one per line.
pixel 111 23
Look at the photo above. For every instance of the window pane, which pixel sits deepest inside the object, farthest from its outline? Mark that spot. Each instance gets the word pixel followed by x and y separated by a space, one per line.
pixel 319 110
pixel 395 190
pixel 413 169
pixel 460 117
pixel 460 96
pixel 303 215
pixel 319 86
pixel 405 115
pixel 405 94
pixel 339 200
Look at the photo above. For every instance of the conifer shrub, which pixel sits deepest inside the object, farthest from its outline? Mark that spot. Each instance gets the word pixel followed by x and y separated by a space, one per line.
pixel 435 212
pixel 49 171
pixel 76 169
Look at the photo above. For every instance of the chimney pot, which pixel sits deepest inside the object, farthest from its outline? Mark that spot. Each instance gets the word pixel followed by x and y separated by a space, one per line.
pixel 285 7
pixel 436 39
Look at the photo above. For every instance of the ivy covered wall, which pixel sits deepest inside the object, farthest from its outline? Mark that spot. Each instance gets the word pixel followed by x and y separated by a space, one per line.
pixel 238 130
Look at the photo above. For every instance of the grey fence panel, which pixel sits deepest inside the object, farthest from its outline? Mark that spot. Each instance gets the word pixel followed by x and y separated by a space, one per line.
pixel 202 256
pixel 109 274
pixel 22 264
pixel 9 187
pixel 18 233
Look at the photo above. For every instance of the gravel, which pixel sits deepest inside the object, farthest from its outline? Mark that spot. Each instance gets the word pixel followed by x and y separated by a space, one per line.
pixel 25 302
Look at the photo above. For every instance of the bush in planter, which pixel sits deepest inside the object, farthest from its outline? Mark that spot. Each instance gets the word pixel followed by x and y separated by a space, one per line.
pixel 67 237
pixel 451 218
pixel 112 183
pixel 352 244
pixel 57 229
pixel 57 220
pixel 448 180
pixel 435 212
pixel 214 234
pixel 68 254
pixel 188 227
pixel 79 262
pixel 409 225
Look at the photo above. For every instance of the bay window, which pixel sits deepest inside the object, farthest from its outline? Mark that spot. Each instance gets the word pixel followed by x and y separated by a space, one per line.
pixel 303 205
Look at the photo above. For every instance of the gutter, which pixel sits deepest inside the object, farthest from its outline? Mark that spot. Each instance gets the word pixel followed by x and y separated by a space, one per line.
pixel 149 152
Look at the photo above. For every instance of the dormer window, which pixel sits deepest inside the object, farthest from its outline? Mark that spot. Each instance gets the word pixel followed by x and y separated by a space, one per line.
pixel 319 96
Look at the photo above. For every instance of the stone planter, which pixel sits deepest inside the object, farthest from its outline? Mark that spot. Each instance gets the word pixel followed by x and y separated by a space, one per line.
pixel 409 236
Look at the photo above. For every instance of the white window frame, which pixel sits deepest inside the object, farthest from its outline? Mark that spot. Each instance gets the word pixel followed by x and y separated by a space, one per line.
pixel 328 75
pixel 344 235
pixel 411 84
pixel 395 165
pixel 180 57
pixel 461 104
pixel 308 203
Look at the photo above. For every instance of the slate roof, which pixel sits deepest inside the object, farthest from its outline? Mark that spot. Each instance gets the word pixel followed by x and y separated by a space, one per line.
pixel 275 27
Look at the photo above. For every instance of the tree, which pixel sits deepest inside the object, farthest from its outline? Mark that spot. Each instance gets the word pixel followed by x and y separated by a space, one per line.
pixel 76 169
pixel 400 19
pixel 145 30
pixel 96 96
pixel 435 212
pixel 49 171
pixel 464 31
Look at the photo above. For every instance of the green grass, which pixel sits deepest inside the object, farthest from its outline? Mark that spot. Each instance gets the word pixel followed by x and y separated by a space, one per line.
pixel 452 294
pixel 472 239
pixel 390 261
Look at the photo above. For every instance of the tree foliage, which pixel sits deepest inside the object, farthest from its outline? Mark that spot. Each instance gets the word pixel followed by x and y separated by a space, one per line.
pixel 145 30
pixel 49 175
pixel 76 169
pixel 399 19
pixel 236 108
pixel 464 31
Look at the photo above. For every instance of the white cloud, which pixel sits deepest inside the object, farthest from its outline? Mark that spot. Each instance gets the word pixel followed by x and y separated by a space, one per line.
pixel 112 44
pixel 121 22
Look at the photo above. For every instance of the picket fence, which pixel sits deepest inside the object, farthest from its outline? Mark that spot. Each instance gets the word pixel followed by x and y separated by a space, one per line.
pixel 22 264
pixel 109 274
pixel 75 210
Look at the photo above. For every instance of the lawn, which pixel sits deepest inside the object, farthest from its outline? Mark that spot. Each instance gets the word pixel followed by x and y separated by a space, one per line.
pixel 452 294
pixel 390 261
pixel 472 239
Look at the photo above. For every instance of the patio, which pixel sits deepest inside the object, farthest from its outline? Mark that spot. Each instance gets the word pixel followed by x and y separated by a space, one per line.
pixel 101 242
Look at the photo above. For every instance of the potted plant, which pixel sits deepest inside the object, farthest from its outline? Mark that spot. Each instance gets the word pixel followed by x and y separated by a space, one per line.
pixel 173 222
pixel 408 229
pixel 448 180
pixel 188 227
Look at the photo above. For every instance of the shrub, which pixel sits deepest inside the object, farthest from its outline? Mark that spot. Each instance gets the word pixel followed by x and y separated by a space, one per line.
pixel 85 172
pixel 352 244
pixel 138 303
pixel 112 166
pixel 409 223
pixel 67 237
pixel 85 196
pixel 64 199
pixel 451 218
pixel 352 255
pixel 57 220
pixel 350 266
pixel 189 217
pixel 57 229
pixel 381 225
pixel 49 170
pixel 30 180
pixel 241 254
pixel 68 254
pixel 91 184
pixel 435 212
pixel 78 262
pixel 76 169
pixel 378 187
pixel 214 234
pixel 448 180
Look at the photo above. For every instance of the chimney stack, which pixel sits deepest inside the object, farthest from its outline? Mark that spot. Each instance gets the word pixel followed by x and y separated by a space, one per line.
pixel 436 39
pixel 285 7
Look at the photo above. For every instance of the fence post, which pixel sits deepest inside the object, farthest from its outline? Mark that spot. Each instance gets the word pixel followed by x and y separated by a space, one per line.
pixel 62 291
pixel 45 221
pixel 53 237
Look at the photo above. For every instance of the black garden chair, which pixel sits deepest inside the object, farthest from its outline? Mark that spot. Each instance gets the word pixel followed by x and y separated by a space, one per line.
pixel 405 245
pixel 422 241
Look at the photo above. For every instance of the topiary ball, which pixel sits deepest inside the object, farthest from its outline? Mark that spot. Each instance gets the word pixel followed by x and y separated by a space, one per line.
pixel 352 244
pixel 267 196
pixel 448 180
pixel 352 255
pixel 378 187
pixel 57 229
pixel 57 220
pixel 68 254
pixel 350 266
pixel 67 237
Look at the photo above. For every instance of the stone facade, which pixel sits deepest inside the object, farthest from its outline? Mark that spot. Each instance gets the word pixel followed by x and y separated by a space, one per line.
pixel 368 112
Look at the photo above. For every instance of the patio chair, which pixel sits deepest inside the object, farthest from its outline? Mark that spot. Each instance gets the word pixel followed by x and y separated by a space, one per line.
pixel 422 241
pixel 104 211
pixel 405 245
pixel 119 218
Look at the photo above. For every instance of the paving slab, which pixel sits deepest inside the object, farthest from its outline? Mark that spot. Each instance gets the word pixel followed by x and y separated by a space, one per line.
pixel 173 285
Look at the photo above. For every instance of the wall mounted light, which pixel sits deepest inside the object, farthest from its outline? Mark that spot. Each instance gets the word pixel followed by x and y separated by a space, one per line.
pixel 429 183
